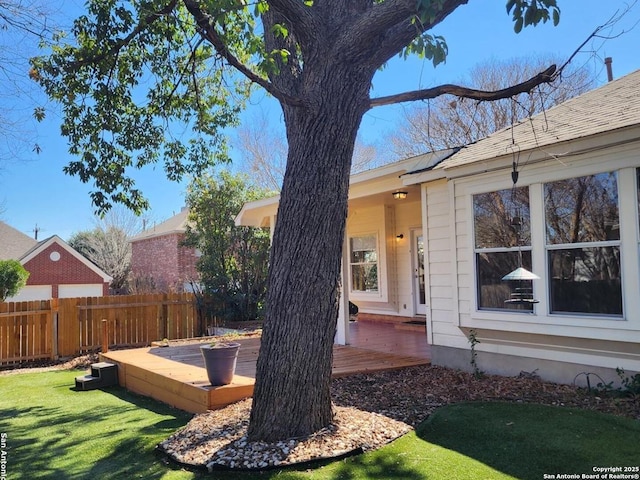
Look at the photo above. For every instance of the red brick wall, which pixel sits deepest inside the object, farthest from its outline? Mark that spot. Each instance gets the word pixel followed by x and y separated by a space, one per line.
pixel 67 270
pixel 163 260
pixel 187 261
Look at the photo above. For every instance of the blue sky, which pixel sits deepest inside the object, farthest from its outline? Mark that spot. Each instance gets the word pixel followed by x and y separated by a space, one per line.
pixel 35 191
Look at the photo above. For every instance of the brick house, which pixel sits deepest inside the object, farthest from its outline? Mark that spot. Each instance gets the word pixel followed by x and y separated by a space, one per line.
pixel 56 270
pixel 159 261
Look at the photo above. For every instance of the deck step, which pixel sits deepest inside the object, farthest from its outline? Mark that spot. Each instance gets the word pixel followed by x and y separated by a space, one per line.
pixel 102 374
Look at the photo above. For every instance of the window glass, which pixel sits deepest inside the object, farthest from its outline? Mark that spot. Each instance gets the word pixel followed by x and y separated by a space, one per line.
pixel 364 263
pixel 493 292
pixel 501 219
pixel 584 278
pixel 502 239
pixel 583 209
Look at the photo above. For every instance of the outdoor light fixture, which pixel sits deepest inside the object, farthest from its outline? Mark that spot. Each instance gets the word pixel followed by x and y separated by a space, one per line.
pixel 399 195
pixel 399 237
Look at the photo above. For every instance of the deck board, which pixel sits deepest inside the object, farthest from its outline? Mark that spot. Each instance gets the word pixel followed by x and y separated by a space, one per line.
pixel 175 375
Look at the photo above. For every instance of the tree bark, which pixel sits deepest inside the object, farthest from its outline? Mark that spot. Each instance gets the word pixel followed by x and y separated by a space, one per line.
pixel 296 352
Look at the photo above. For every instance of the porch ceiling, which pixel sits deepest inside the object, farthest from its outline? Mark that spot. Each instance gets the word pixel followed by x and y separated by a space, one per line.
pixel 385 197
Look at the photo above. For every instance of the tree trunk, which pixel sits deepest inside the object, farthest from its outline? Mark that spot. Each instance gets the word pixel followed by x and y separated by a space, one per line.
pixel 292 390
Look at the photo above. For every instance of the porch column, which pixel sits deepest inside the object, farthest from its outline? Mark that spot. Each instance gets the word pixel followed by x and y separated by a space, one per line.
pixel 342 330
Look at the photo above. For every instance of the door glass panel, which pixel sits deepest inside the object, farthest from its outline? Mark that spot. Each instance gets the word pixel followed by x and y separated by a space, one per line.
pixel 420 269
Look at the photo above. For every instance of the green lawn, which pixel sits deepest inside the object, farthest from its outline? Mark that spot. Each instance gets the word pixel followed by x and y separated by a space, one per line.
pixel 52 431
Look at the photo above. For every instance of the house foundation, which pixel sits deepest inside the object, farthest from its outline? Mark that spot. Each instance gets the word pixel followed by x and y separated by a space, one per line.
pixel 512 365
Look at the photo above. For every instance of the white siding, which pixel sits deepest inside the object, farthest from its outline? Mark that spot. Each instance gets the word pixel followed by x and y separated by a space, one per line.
pixel 440 293
pixel 32 292
pixel 80 290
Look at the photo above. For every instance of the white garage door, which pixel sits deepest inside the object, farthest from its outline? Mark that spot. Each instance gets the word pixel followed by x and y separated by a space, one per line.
pixel 73 291
pixel 32 292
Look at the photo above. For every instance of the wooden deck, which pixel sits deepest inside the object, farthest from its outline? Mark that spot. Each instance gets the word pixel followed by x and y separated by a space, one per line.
pixel 175 375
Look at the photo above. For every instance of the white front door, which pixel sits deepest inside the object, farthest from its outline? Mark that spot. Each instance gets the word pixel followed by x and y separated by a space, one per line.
pixel 417 258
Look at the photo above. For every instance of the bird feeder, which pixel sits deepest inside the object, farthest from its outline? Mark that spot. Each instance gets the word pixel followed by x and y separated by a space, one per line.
pixel 521 292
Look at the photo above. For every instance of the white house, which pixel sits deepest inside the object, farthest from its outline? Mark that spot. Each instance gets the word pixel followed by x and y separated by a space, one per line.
pixel 572 218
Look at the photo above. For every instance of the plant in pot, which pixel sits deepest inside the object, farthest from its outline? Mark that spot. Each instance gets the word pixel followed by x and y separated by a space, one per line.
pixel 220 361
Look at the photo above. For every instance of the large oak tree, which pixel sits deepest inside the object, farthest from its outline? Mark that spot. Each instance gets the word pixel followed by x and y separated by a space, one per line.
pixel 135 69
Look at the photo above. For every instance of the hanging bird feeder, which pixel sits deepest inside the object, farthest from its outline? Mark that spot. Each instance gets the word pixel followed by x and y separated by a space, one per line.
pixel 521 291
pixel 520 278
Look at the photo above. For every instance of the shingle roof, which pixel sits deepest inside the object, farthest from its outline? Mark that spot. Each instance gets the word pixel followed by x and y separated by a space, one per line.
pixel 175 224
pixel 613 106
pixel 13 243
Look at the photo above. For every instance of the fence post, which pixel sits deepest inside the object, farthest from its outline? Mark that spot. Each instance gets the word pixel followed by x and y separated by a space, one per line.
pixel 105 335
pixel 164 309
pixel 54 328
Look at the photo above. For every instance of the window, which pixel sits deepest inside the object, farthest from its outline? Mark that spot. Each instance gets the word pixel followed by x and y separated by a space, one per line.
pixel 583 245
pixel 502 243
pixel 364 263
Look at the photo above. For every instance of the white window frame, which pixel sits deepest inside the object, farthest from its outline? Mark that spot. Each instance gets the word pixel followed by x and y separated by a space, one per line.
pixel 549 247
pixel 365 293
pixel 480 250
pixel 623 160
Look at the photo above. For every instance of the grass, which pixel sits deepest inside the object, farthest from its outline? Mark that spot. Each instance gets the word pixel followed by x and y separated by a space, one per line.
pixel 529 441
pixel 52 431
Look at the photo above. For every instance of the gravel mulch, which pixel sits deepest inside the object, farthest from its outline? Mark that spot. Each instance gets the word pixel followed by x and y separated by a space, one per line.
pixel 370 410
pixel 217 439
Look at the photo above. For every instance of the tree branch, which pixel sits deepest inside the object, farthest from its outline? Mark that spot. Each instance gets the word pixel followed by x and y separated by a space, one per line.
pixel 144 23
pixel 206 25
pixel 289 72
pixel 546 76
pixel 298 17
pixel 389 26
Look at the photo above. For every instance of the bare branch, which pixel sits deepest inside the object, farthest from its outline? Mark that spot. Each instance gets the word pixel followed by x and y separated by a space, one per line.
pixel 447 122
pixel 609 23
pixel 546 76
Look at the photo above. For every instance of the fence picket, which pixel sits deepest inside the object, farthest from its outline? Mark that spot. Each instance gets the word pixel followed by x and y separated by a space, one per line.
pixel 27 331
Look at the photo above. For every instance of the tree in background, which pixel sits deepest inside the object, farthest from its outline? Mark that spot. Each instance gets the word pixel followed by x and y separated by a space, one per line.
pixel 133 73
pixel 263 149
pixel 445 122
pixel 234 259
pixel 13 277
pixel 108 245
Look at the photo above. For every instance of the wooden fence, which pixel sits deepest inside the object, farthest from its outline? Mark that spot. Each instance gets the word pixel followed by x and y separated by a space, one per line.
pixel 70 326
pixel 25 331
